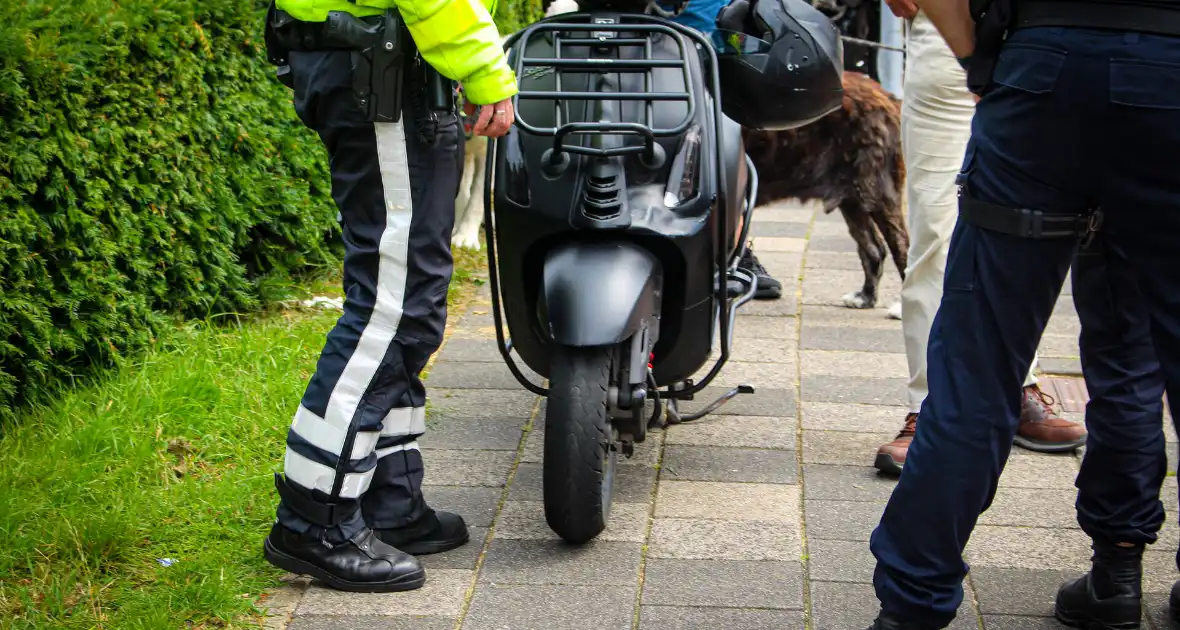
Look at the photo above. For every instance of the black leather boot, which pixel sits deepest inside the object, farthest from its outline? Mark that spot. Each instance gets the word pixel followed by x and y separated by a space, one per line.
pixel 887 622
pixel 1110 595
pixel 362 564
pixel 434 533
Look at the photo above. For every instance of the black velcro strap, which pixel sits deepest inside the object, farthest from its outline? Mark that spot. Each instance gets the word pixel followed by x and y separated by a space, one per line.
pixel 315 512
pixel 1021 222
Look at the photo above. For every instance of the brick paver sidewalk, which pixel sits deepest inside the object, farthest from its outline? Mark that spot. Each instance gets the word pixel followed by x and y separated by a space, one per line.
pixel 755 518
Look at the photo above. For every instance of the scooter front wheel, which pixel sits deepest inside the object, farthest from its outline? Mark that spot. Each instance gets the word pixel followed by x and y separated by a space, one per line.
pixel 580 457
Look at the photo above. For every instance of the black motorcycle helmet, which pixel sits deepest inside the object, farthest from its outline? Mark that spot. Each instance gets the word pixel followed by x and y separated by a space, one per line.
pixel 781 63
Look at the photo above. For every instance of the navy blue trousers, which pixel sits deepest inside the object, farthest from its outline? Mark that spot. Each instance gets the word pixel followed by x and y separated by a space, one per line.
pixel 1079 119
pixel 353 440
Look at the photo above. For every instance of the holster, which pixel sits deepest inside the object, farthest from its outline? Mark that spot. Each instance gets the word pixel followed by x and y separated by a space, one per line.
pixel 993 21
pixel 378 45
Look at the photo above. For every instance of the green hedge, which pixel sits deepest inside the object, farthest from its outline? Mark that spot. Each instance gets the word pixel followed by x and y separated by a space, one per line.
pixel 150 167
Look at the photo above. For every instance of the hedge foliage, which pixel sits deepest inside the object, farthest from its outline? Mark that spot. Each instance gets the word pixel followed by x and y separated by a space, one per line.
pixel 150 167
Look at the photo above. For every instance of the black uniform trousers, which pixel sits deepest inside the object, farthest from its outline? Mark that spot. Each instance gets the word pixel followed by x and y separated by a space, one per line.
pixel 1078 119
pixel 353 439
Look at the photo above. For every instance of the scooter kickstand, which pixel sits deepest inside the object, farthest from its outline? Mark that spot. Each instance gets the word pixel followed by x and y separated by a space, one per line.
pixel 675 417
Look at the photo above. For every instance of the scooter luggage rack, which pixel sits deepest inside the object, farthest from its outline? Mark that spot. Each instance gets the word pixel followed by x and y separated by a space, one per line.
pixel 601 37
pixel 725 263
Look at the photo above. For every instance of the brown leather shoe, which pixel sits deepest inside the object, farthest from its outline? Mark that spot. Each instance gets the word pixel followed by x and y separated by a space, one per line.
pixel 891 456
pixel 1042 429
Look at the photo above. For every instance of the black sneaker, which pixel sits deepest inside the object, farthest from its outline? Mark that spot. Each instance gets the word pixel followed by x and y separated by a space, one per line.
pixel 361 565
pixel 885 622
pixel 768 288
pixel 434 533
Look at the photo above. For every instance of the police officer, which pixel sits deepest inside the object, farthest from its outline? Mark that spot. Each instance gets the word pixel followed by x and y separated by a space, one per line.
pixel 351 511
pixel 1071 143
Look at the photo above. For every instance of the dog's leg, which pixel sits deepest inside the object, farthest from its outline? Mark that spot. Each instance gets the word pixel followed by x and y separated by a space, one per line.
pixel 890 219
pixel 467 230
pixel 464 196
pixel 870 245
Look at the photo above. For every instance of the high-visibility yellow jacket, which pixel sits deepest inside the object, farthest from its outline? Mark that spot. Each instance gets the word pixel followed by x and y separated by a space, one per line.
pixel 457 37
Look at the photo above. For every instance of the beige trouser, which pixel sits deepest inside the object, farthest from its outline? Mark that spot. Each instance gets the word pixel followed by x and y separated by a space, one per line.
pixel 935 126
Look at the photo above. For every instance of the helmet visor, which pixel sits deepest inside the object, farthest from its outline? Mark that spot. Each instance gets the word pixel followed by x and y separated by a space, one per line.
pixel 739 43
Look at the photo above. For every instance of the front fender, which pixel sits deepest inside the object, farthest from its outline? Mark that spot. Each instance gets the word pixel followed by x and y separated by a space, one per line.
pixel 598 294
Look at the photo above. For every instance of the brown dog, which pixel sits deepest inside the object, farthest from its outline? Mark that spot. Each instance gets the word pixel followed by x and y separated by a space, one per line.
pixel 850 159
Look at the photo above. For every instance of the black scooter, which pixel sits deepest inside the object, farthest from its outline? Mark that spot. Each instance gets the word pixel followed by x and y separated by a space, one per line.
pixel 611 240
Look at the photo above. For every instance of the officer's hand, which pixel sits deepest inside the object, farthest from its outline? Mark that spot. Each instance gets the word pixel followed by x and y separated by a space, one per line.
pixel 904 9
pixel 494 120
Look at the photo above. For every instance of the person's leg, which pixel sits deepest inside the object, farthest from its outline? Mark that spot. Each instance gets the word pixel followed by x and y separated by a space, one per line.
pixel 936 125
pixel 1125 463
pixel 352 438
pixel 999 292
pixel 1141 129
pixel 891 63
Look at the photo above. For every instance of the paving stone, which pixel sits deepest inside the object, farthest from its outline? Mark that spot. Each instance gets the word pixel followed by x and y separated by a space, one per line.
pixel 725 583
pixel 783 265
pixel 471 351
pixel 479 403
pixel 844 317
pixel 842 448
pixel 783 212
pixel 736 432
pixel 456 375
pixel 525 520
pixel 832 225
pixel 846 261
pixel 1017 591
pixel 528 607
pixel 842 243
pixel 829 286
pixel 441 596
pixel 689 539
pixel 555 562
pixel 848 606
pixel 372 622
pixel 633 484
pixel 785 306
pixel 763 502
pixel 840 561
pixel 766 245
pixel 1028 548
pixel 853 417
pixel 868 391
pixel 760 327
pixel 492 434
pixel 467 468
pixel 686 618
pixel 761 230
pixel 751 352
pixel 1032 508
pixel 842 520
pixel 845 483
pixel 706 463
pixel 995 622
pixel 476 505
pixel 765 401
pixel 464 557
pixel 1071 366
pixel 844 363
pixel 775 376
pixel 1159 570
pixel 1158 611
pixel 1058 345
pixel 851 338
pixel 1038 470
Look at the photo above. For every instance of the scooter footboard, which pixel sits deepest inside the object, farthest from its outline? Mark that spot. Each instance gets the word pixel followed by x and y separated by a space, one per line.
pixel 597 294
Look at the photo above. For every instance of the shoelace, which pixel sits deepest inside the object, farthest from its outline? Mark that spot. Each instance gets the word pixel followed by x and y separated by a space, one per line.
pixel 751 263
pixel 911 426
pixel 1044 398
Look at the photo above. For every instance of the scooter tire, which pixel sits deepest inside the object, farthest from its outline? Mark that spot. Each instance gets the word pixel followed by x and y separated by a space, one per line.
pixel 579 457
